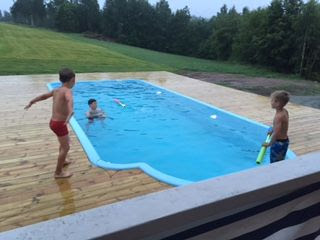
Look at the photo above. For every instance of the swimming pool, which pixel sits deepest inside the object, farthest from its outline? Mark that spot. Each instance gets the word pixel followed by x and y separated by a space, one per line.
pixel 171 137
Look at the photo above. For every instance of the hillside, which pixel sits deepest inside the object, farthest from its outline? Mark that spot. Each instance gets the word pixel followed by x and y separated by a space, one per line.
pixel 25 50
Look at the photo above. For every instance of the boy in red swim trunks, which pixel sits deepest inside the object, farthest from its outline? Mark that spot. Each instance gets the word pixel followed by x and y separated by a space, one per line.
pixel 62 111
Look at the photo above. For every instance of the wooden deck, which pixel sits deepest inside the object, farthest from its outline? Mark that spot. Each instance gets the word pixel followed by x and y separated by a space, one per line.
pixel 28 149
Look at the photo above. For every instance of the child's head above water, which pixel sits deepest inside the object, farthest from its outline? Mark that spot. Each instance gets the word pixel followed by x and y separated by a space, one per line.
pixel 94 111
pixel 280 98
pixel 92 103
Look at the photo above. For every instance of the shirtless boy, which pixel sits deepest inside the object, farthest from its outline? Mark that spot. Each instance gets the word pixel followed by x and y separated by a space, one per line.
pixel 62 111
pixel 279 139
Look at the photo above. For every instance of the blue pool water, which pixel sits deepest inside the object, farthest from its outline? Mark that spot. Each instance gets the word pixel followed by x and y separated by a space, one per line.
pixel 173 138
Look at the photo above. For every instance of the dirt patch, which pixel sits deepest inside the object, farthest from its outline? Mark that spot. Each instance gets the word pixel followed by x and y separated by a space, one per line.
pixel 310 101
pixel 303 92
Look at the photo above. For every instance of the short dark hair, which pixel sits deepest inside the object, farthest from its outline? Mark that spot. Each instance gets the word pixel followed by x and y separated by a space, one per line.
pixel 66 74
pixel 91 100
pixel 282 96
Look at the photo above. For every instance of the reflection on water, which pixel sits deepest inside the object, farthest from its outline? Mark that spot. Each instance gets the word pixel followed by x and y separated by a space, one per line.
pixel 66 192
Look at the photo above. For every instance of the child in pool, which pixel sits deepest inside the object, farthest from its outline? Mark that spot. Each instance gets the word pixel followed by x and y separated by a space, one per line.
pixel 94 111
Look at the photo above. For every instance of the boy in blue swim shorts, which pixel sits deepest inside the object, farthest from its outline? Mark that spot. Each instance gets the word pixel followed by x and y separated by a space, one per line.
pixel 279 134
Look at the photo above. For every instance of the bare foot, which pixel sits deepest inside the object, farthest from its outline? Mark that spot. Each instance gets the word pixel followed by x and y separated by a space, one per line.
pixel 63 175
pixel 66 162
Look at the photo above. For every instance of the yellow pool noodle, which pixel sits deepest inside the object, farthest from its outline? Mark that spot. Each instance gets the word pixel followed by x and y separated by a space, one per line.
pixel 263 150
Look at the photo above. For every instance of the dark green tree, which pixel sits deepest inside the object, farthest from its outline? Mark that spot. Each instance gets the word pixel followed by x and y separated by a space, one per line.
pixel 51 11
pixel 225 30
pixel 250 39
pixel 38 12
pixel 289 50
pixel 21 11
pixel 30 12
pixel 178 31
pixel 52 8
pixel 7 17
pixel 163 17
pixel 309 64
pixel 199 30
pixel 115 18
pixel 89 16
pixel 140 24
pixel 66 18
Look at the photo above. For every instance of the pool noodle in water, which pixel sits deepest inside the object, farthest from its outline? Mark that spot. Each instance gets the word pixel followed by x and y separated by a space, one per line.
pixel 119 102
pixel 263 150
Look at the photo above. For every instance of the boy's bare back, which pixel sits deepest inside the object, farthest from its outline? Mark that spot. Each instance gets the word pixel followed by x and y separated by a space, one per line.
pixel 62 104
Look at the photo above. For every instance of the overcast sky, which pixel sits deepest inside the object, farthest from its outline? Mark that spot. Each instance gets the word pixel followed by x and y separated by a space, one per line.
pixel 203 8
pixel 208 8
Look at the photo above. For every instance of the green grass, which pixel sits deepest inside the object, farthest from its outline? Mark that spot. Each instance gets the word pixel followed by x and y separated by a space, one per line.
pixel 30 51
pixel 25 50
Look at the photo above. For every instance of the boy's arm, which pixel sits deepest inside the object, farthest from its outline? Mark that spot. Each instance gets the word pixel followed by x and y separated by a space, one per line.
pixel 39 98
pixel 276 130
pixel 102 113
pixel 69 100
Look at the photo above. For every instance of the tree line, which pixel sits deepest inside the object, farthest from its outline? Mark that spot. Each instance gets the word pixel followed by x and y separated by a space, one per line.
pixel 284 36
pixel 5 16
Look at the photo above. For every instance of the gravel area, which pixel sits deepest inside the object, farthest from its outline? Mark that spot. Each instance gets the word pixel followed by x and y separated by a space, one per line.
pixel 302 92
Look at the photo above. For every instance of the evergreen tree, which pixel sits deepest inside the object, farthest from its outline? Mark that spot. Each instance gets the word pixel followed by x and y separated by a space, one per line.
pixel 89 16
pixel 163 17
pixel 225 30
pixel 115 18
pixel 199 30
pixel 6 17
pixel 30 12
pixel 290 49
pixel 51 11
pixel 140 24
pixel 250 39
pixel 178 31
pixel 21 11
pixel 309 65
pixel 67 18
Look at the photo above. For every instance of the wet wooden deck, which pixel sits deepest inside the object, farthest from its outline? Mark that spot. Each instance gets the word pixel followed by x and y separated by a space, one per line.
pixel 28 149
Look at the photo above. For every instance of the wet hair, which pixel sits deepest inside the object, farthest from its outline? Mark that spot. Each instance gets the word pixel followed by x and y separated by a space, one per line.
pixel 91 100
pixel 66 74
pixel 281 96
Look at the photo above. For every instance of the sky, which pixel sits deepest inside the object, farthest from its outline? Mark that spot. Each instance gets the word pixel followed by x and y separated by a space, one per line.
pixel 199 8
pixel 208 8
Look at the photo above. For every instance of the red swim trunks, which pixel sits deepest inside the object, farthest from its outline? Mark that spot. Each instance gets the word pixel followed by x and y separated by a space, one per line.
pixel 59 128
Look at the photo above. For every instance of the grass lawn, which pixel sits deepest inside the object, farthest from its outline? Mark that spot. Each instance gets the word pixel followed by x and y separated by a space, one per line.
pixel 25 50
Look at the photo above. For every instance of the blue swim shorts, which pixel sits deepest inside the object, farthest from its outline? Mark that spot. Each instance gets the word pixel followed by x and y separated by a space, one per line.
pixel 279 150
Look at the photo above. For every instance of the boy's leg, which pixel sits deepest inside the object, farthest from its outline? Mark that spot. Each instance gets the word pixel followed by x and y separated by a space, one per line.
pixel 63 151
pixel 66 162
